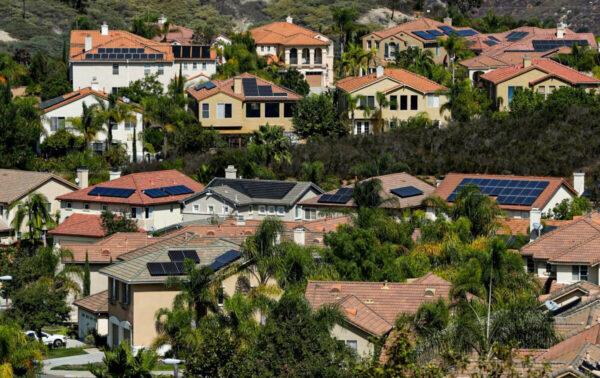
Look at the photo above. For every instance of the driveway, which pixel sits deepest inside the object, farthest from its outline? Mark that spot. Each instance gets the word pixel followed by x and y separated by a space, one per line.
pixel 93 355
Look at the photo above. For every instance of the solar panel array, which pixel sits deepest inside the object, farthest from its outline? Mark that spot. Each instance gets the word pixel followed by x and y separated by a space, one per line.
pixel 341 196
pixel 545 45
pixel 493 38
pixel 407 191
pixel 181 255
pixel 516 36
pixel 166 268
pixel 53 101
pixel 425 35
pixel 435 32
pixel 191 52
pixel 466 32
pixel 252 89
pixel 124 56
pixel 257 189
pixel 111 192
pixel 225 259
pixel 447 30
pixel 166 191
pixel 490 42
pixel 206 85
pixel 507 192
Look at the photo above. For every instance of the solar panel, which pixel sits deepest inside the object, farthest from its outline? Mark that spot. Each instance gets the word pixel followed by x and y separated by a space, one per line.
pixel 225 259
pixel 101 50
pixel 156 193
pixel 466 32
pixel 279 94
pixel 341 196
pixel 516 36
pixel 544 45
pixel 177 190
pixel 139 51
pixel 181 255
pixel 256 188
pixel 109 50
pixel 490 42
pixel 265 90
pixel 407 191
pixel 425 35
pixel 507 192
pixel 155 269
pixel 493 38
pixel 435 33
pixel 51 102
pixel 447 29
pixel 186 52
pixel 165 268
pixel 111 192
pixel 112 56
pixel 209 85
pixel 205 52
pixel 250 87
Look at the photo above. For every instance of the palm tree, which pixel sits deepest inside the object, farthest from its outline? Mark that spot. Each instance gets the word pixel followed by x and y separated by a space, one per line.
pixel 270 145
pixel 481 210
pixel 455 46
pixel 89 124
pixel 263 251
pixel 416 60
pixel 344 19
pixel 123 113
pixel 159 112
pixel 35 211
pixel 378 121
pixel 352 102
pixel 106 114
pixel 355 61
pixel 122 362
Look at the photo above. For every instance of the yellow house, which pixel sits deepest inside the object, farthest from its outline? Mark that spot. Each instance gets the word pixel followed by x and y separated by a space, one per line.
pixel 407 95
pixel 240 105
pixel 540 75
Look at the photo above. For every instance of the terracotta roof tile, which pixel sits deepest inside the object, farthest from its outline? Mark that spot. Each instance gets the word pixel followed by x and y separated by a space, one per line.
pixel 520 226
pixel 176 33
pixel 286 34
pixel 115 38
pixel 95 303
pixel 548 66
pixel 567 350
pixel 77 224
pixel 139 182
pixel 108 248
pixel 14 184
pixel 403 77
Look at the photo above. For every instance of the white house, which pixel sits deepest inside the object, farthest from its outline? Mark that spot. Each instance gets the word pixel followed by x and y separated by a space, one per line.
pixel 57 112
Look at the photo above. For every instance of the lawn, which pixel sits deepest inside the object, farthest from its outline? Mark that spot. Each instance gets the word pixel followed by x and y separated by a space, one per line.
pixel 64 352
pixel 56 330
pixel 159 367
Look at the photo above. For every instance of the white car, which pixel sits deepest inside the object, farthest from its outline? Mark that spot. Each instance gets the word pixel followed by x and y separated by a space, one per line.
pixel 56 341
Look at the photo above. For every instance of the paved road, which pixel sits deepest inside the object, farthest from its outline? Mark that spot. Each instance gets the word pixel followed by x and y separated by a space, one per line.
pixel 93 355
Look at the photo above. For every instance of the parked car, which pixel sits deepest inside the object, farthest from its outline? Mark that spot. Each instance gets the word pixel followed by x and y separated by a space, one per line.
pixel 56 341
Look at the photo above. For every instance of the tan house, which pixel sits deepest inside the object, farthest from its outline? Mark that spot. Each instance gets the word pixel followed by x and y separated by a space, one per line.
pixel 16 186
pixel 407 94
pixel 295 46
pixel 240 105
pixel 539 75
pixel 371 308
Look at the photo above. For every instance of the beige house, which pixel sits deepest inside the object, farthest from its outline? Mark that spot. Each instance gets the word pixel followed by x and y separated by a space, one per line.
pixel 240 105
pixel 16 186
pixel 543 76
pixel 92 314
pixel 407 94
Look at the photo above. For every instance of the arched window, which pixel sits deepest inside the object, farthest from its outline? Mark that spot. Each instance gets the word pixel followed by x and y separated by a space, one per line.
pixel 293 56
pixel 305 56
pixel 318 56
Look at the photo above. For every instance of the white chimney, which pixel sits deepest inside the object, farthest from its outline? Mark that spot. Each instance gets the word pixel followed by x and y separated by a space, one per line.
pixel 526 61
pixel 82 177
pixel 114 174
pixel 379 71
pixel 448 21
pixel 104 28
pixel 88 43
pixel 94 85
pixel 237 85
pixel 579 182
pixel 289 20
pixel 300 236
pixel 230 172
pixel 560 30
pixel 535 221
pixel 162 20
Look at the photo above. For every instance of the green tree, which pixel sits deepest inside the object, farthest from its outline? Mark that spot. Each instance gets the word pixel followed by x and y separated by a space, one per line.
pixel 456 47
pixel 18 354
pixel 294 80
pixel 112 223
pixel 269 145
pixel 35 213
pixel 366 193
pixel 431 317
pixel 317 115
pixel 465 101
pixel 122 362
pixel 142 89
pixel 86 276
pixel 61 143
pixel 161 113
pixel 567 209
pixel 262 248
pixel 416 60
pixel 90 123
pixel 344 24
pixel 355 61
pixel 481 210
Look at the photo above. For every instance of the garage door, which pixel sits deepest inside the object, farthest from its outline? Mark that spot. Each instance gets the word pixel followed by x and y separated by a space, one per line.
pixel 314 79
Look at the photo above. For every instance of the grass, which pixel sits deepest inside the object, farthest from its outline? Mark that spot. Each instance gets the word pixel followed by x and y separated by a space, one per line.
pixel 64 352
pixel 159 367
pixel 56 330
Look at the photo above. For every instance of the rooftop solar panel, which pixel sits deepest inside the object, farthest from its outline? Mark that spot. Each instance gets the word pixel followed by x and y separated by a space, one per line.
pixel 341 196
pixel 516 36
pixel 256 188
pixel 51 102
pixel 101 50
pixel 111 192
pixel 435 33
pixel 466 32
pixel 225 259
pixel 265 90
pixel 407 191
pixel 279 94
pixel 177 190
pixel 544 45
pixel 507 192
pixel 447 29
pixel 156 193
pixel 181 255
pixel 425 35
pixel 250 87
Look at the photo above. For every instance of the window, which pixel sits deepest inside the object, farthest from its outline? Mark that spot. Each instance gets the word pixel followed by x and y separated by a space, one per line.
pixel 171 209
pixel 204 66
pixel 288 109
pixel 352 344
pixel 393 102
pixel 115 69
pixel 223 111
pixel 134 212
pixel 393 124
pixel 253 110
pixel 147 212
pixel 548 269
pixel 437 50
pixel 272 109
pixel 196 208
pixel 161 69
pixel 211 209
pixel 433 101
pixel 127 336
pixel 262 48
pixel 305 56
pixel 542 90
pixel 367 101
pixel 512 90
pixel 57 123
pixel 115 335
pixel 114 126
pixel 220 296
pixel 225 209
pixel 530 265
pixel 362 127
pixel 280 210
pixel 146 69
pixel 195 66
pixel 403 102
pixel 69 205
pixel 551 89
pixel 310 214
pixel 414 102
pixel 318 56
pixel 386 51
pixel 205 111
pixel 392 50
pixel 129 125
pixel 271 210
pixel 369 45
pixel 298 213
pixel 104 207
pixel 115 290
pixel 185 66
pixel 86 206
pixel 124 293
pixel 262 209
pixel 293 56
pixel 580 273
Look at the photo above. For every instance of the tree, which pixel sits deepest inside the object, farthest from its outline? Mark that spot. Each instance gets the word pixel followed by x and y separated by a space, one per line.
pixel 456 48
pixel 481 210
pixel 355 61
pixel 161 113
pixel 262 248
pixel 34 211
pixel 61 143
pixel 112 223
pixel 294 80
pixel 317 115
pixel 122 362
pixel 567 209
pixel 86 276
pixel 269 145
pixel 367 193
pixel 377 116
pixel 416 60
pixel 18 354
pixel 141 89
pixel 90 123
pixel 465 101
pixel 344 24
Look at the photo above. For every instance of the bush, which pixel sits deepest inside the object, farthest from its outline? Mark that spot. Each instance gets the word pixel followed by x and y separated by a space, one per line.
pixel 61 143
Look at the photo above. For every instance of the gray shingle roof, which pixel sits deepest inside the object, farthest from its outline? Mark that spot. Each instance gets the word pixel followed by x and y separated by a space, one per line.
pixel 15 184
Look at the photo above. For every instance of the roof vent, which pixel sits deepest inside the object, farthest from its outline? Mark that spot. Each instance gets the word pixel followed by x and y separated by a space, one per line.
pixel 336 288
pixel 289 20
pixel 379 71
pixel 385 286
pixel 105 252
pixel 429 292
pixel 104 28
pixel 369 301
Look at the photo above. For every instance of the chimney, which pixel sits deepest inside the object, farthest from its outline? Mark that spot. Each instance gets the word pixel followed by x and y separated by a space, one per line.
pixel 162 20
pixel 289 20
pixel 560 30
pixel 300 236
pixel 230 172
pixel 237 85
pixel 88 43
pixel 526 61
pixel 82 177
pixel 104 28
pixel 448 21
pixel 114 174
pixel 379 71
pixel 579 182
pixel 535 223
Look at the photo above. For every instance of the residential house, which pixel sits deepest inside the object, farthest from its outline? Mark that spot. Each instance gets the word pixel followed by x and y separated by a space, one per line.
pixel 295 46
pixel 522 197
pixel 540 75
pixel 407 95
pixel 92 314
pixel 79 228
pixel 107 60
pixel 16 186
pixel 399 191
pixel 423 33
pixel 248 199
pixel 568 254
pixel 371 308
pixel 151 198
pixel 241 104
pixel 58 112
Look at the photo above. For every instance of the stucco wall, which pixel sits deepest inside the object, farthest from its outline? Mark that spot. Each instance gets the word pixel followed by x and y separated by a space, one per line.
pixel 403 41
pixel 561 194
pixel 364 348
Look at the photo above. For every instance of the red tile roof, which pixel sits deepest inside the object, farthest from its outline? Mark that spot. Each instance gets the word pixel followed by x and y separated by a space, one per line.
pixel 226 87
pixel 520 226
pixel 95 303
pixel 108 248
pixel 84 225
pixel 176 33
pixel 401 76
pixel 374 306
pixel 501 59
pixel 452 180
pixel 567 350
pixel 548 66
pixel 286 34
pixel 419 24
pixel 139 182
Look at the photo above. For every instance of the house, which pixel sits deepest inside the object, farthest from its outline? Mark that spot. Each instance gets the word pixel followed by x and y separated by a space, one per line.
pixel 78 228
pixel 423 33
pixel 407 95
pixel 248 199
pixel 92 314
pixel 540 75
pixel 16 186
pixel 151 198
pixel 568 254
pixel 399 191
pixel 241 104
pixel 484 63
pixel 522 197
pixel 57 113
pixel 107 60
pixel 371 308
pixel 295 46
